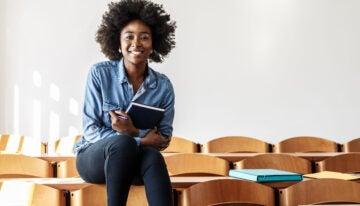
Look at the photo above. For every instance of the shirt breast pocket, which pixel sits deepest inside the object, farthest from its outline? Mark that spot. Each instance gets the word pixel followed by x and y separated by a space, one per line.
pixel 107 107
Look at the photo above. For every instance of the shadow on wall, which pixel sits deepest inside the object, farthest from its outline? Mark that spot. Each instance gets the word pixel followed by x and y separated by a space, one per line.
pixel 47 108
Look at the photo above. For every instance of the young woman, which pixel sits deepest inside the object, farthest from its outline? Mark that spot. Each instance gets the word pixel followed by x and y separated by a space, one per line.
pixel 112 150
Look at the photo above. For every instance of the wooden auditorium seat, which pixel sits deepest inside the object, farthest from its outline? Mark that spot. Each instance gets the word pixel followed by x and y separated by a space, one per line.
pixel 232 144
pixel 64 145
pixel 21 144
pixel 95 194
pixel 305 144
pixel 91 195
pixel 179 144
pixel 196 164
pixel 351 146
pixel 10 143
pixel 21 193
pixel 67 168
pixel 31 146
pixel 346 163
pixel 276 161
pixel 320 191
pixel 18 165
pixel 228 192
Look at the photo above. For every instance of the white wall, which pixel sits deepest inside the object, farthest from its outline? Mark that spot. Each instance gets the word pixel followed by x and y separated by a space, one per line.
pixel 266 69
pixel 2 63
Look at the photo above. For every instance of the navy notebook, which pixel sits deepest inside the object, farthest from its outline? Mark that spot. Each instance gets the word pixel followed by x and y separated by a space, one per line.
pixel 144 116
pixel 265 175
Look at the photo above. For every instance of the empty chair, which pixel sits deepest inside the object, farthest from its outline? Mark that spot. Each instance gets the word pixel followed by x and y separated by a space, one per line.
pixel 10 143
pixel 228 192
pixel 276 161
pixel 179 144
pixel 320 191
pixel 235 144
pixel 351 146
pixel 29 194
pixel 305 144
pixel 18 165
pixel 346 163
pixel 95 195
pixel 67 168
pixel 195 164
pixel 91 195
pixel 31 146
pixel 64 145
pixel 21 144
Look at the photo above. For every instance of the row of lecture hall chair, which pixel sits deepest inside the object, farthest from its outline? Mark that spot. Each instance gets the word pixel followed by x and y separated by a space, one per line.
pixel 226 144
pixel 185 164
pixel 197 165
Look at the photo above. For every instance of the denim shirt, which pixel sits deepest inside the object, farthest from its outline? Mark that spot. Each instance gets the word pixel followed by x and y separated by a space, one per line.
pixel 107 89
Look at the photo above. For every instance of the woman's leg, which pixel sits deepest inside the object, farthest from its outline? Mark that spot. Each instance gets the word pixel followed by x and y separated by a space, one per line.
pixel 113 161
pixel 156 178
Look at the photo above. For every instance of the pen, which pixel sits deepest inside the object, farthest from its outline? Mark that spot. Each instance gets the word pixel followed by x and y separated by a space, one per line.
pixel 122 117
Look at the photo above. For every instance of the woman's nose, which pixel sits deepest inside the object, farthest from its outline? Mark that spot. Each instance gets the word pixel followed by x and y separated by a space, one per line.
pixel 136 41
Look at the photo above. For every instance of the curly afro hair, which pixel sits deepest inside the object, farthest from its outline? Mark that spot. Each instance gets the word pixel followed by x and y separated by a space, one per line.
pixel 121 13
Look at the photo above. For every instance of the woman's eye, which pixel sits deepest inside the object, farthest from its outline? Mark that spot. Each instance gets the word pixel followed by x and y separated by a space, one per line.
pixel 129 37
pixel 141 38
pixel 144 38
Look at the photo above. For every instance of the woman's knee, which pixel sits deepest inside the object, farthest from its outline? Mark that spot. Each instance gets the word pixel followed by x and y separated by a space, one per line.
pixel 152 153
pixel 123 143
pixel 151 156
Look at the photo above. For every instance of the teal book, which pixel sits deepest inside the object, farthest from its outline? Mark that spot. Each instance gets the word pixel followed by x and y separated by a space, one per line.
pixel 144 116
pixel 265 175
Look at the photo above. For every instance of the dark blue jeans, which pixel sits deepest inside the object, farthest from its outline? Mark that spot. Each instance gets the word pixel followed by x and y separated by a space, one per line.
pixel 118 161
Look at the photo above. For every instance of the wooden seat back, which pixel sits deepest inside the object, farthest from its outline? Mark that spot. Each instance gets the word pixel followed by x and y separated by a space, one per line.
pixel 21 144
pixel 351 146
pixel 31 146
pixel 196 164
pixel 18 165
pixel 229 192
pixel 305 144
pixel 320 191
pixel 234 144
pixel 179 144
pixel 276 161
pixel 65 145
pixel 10 143
pixel 29 194
pixel 346 163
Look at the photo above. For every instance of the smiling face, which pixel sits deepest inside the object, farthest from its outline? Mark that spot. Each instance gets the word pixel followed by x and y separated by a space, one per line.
pixel 136 43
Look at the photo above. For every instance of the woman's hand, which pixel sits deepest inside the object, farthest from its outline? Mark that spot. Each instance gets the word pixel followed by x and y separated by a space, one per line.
pixel 156 140
pixel 122 123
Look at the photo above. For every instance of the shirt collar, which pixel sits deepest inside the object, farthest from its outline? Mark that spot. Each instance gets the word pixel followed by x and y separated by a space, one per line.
pixel 150 79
